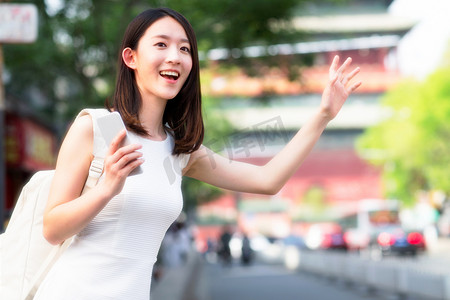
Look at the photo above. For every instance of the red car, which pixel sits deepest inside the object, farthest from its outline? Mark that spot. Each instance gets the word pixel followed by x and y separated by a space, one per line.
pixel 396 240
pixel 327 235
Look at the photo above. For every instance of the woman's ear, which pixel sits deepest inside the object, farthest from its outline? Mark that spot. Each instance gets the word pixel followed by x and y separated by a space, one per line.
pixel 128 56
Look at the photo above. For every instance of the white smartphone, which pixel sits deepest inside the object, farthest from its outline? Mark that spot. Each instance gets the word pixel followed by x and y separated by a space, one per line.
pixel 110 125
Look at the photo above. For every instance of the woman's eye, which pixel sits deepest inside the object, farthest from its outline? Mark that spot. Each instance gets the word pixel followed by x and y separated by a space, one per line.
pixel 160 44
pixel 186 49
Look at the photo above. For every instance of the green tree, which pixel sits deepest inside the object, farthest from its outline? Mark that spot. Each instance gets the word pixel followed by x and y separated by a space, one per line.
pixel 72 64
pixel 413 144
pixel 235 23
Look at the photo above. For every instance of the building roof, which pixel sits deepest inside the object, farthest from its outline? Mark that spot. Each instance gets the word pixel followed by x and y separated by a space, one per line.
pixel 372 41
pixel 360 111
pixel 379 23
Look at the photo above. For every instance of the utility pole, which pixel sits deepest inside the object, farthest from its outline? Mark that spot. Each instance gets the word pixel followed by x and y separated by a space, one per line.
pixel 2 144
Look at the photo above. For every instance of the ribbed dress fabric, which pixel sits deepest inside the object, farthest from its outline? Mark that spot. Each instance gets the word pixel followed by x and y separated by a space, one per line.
pixel 113 256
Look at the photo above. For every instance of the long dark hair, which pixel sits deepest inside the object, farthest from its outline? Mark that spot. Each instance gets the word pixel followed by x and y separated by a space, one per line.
pixel 183 114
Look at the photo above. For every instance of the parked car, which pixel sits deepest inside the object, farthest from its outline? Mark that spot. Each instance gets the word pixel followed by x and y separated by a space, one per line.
pixel 328 235
pixel 362 226
pixel 396 240
pixel 294 240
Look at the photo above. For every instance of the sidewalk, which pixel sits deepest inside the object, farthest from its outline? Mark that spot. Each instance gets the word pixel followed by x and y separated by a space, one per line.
pixel 440 247
pixel 187 282
pixel 439 251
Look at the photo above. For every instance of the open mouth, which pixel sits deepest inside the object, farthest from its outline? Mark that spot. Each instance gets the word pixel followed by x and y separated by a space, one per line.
pixel 172 75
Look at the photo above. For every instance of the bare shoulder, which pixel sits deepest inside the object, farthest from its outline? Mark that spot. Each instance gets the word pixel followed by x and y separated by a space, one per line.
pixel 81 130
pixel 82 125
pixel 78 141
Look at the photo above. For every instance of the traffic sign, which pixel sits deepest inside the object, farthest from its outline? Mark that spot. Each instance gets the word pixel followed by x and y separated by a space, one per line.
pixel 18 23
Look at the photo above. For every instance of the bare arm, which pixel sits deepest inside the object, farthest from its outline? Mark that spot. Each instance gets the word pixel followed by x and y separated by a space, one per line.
pixel 270 178
pixel 67 211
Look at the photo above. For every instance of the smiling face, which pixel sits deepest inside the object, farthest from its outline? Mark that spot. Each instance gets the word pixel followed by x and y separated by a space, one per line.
pixel 162 61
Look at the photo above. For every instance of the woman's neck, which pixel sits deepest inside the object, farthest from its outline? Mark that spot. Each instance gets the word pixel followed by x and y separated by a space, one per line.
pixel 151 116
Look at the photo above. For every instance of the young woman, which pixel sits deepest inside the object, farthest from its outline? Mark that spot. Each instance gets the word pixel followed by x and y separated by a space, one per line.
pixel 119 224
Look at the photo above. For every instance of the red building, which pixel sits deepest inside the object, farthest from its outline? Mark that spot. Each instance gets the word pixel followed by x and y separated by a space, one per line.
pixel 334 176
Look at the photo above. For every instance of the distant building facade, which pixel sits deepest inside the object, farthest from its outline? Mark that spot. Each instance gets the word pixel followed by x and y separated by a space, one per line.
pixel 334 177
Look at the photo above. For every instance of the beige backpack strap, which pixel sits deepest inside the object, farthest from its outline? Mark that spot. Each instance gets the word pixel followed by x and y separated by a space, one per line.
pixel 47 264
pixel 99 147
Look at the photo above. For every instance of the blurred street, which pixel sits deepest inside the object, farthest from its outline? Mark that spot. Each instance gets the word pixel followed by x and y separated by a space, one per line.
pixel 267 277
pixel 269 282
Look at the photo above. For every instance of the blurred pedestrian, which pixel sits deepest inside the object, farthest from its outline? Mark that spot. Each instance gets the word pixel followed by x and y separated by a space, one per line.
pixel 176 245
pixel 119 225
pixel 210 252
pixel 246 251
pixel 224 248
pixel 185 240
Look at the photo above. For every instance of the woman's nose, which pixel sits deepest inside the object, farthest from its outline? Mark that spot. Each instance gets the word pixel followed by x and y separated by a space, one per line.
pixel 173 55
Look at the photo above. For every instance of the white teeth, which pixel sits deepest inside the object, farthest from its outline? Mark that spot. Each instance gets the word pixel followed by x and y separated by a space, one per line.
pixel 169 73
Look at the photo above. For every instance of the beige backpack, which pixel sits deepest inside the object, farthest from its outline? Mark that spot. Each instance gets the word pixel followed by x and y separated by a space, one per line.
pixel 25 255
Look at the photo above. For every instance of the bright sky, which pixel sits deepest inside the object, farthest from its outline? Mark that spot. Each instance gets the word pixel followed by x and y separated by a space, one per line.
pixel 53 6
pixel 421 51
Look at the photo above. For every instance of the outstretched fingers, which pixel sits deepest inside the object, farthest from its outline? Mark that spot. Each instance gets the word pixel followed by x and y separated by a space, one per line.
pixel 334 68
pixel 344 67
pixel 338 73
pixel 354 87
pixel 350 76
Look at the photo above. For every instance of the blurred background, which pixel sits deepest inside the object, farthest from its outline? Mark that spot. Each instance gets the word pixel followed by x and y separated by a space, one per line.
pixel 368 210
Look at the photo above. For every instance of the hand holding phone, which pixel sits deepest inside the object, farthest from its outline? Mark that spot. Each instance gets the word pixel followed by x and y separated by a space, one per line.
pixel 110 125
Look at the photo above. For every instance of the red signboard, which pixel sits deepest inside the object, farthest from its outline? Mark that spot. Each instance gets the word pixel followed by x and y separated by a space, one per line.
pixel 29 145
pixel 39 147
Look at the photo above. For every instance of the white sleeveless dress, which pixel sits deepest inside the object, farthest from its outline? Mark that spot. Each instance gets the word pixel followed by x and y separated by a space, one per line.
pixel 113 257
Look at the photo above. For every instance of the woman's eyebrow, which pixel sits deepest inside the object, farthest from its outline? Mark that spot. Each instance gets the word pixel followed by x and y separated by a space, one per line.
pixel 166 37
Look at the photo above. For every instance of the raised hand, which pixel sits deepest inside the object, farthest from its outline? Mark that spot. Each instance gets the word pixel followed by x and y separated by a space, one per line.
pixel 338 88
